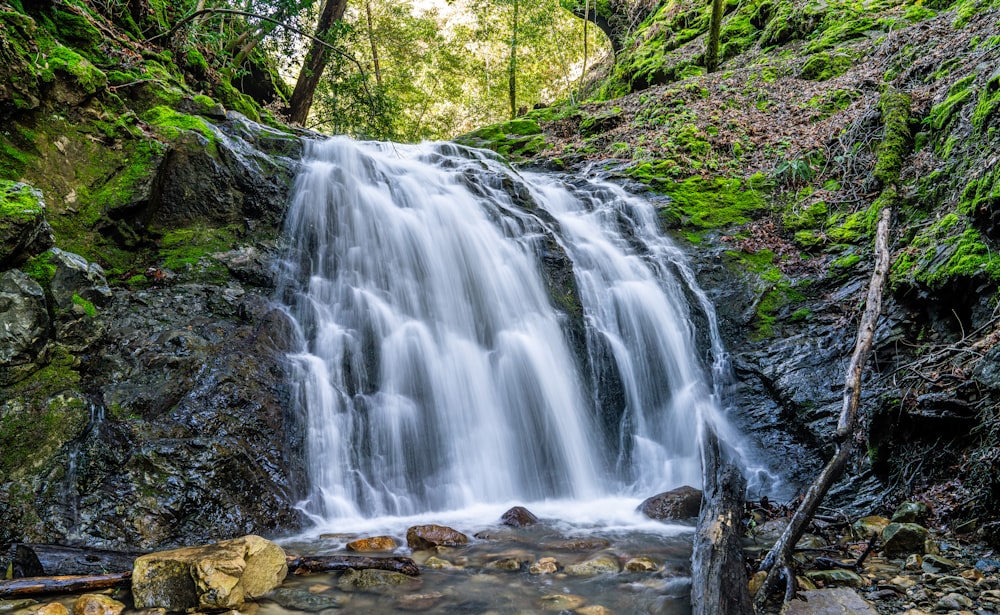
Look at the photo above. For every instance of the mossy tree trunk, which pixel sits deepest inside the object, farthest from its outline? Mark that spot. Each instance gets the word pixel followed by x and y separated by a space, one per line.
pixel 714 30
pixel 512 67
pixel 315 62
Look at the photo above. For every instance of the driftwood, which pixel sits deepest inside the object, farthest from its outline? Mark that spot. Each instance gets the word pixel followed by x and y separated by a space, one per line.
pixel 335 563
pixel 777 561
pixel 718 579
pixel 30 560
pixel 35 586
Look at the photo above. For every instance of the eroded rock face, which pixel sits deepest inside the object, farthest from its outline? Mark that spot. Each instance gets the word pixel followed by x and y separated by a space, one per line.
pixel 219 576
pixel 24 325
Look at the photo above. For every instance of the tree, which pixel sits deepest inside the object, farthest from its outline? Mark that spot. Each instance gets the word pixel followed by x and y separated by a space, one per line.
pixel 714 28
pixel 315 61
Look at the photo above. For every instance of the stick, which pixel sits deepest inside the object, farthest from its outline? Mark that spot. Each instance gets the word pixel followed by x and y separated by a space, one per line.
pixel 34 586
pixel 779 556
pixel 334 563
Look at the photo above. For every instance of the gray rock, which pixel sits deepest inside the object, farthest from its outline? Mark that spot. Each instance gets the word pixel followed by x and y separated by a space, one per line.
pixel 954 602
pixel 75 279
pixel 938 564
pixel 681 503
pixel 24 326
pixel 24 232
pixel 298 600
pixel 842 577
pixel 601 564
pixel 518 516
pixel 838 601
pixel 911 512
pixel 373 580
pixel 903 538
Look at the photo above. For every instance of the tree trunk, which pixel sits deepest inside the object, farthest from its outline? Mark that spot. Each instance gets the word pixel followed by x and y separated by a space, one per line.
pixel 35 586
pixel 49 560
pixel 314 63
pixel 512 67
pixel 718 577
pixel 714 28
pixel 334 563
pixel 777 561
pixel 371 42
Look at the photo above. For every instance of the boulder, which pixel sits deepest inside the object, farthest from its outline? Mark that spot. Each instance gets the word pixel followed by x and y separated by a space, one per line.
pixel 866 527
pixel 97 604
pixel 903 538
pixel 911 512
pixel 24 232
pixel 839 601
pixel 641 564
pixel 223 575
pixel 24 326
pixel 374 544
pixel 518 516
pixel 75 279
pixel 681 503
pixel 601 564
pixel 430 536
pixel 52 608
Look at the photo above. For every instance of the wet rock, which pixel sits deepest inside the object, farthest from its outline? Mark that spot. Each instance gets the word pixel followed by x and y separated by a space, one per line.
pixel 53 608
pixel 218 576
pixel 430 536
pixel 913 562
pixel 24 324
pixel 903 538
pixel 681 503
pixel 953 602
pixel 75 278
pixel 97 604
pixel 418 602
pixel 561 602
pixel 640 564
pixel 545 565
pixel 577 544
pixel 866 527
pixel 601 564
pixel 24 232
pixel 508 564
pixel 14 605
pixel 518 516
pixel 439 564
pixel 837 576
pixel 987 370
pixel 901 583
pixel 372 580
pixel 938 564
pixel 756 581
pixel 837 601
pixel 375 544
pixel 949 584
pixel 594 609
pixel 911 512
pixel 298 600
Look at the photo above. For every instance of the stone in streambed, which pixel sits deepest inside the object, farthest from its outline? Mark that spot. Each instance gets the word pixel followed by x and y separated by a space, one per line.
pixel 53 608
pixel 218 576
pixel 418 602
pixel 430 536
pixel 836 577
pixel 518 516
pixel 838 601
pixel 937 564
pixel 911 512
pixel 375 544
pixel 601 564
pixel 546 565
pixel 561 602
pixel 373 580
pixel 866 527
pixel 97 604
pixel 681 503
pixel 298 600
pixel 903 538
pixel 641 564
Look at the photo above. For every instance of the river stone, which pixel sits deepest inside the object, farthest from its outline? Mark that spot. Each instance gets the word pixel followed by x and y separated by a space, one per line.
pixel 836 601
pixel 299 600
pixel 430 536
pixel 24 231
pixel 594 609
pixel 52 608
pixel 372 580
pixel 903 538
pixel 954 602
pixel 545 565
pixel 837 576
pixel 24 323
pixel 375 544
pixel 439 564
pixel 15 605
pixel 640 564
pixel 866 527
pixel 561 602
pixel 217 576
pixel 601 564
pixel 418 602
pixel 681 503
pixel 953 584
pixel 578 544
pixel 508 564
pixel 97 604
pixel 938 564
pixel 518 516
pixel 911 512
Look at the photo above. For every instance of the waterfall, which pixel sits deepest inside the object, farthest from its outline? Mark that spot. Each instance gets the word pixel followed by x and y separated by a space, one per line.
pixel 470 334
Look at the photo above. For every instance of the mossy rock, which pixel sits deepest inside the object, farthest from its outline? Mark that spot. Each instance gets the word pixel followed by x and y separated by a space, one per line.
pixel 24 232
pixel 824 66
pixel 520 138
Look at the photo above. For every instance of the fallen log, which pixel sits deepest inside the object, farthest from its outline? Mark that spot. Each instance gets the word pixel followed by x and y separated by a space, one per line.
pixel 36 560
pixel 718 578
pixel 336 563
pixel 35 586
pixel 777 561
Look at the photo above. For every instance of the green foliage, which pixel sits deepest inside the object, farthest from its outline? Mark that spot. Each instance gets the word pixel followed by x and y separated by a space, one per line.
pixel 86 76
pixel 19 202
pixel 516 138
pixel 698 203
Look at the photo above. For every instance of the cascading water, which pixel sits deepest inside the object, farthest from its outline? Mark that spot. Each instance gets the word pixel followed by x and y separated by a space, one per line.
pixel 435 371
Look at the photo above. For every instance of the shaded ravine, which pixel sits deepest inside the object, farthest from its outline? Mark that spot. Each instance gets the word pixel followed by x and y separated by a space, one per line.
pixel 434 369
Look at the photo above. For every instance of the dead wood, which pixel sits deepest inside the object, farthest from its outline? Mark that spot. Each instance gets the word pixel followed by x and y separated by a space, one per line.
pixel 35 586
pixel 778 558
pixel 32 560
pixel 335 563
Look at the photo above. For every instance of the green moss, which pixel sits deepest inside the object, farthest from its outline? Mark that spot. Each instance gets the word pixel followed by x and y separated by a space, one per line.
pixel 171 123
pixel 942 114
pixel 701 203
pixel 841 28
pixel 852 228
pixel 517 138
pixel 988 104
pixel 981 196
pixel 832 102
pixel 232 98
pixel 88 308
pixel 945 252
pixel 895 144
pixel 824 66
pixel 40 268
pixel 189 250
pixel 86 76
pixel 196 63
pixel 845 262
pixel 809 216
pixel 19 202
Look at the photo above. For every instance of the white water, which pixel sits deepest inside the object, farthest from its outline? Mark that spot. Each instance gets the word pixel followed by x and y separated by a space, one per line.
pixel 435 372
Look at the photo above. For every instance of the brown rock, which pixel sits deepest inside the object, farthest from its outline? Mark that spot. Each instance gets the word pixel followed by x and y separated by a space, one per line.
pixel 375 544
pixel 680 503
pixel 839 601
pixel 53 608
pixel 97 604
pixel 518 516
pixel 546 565
pixel 430 536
